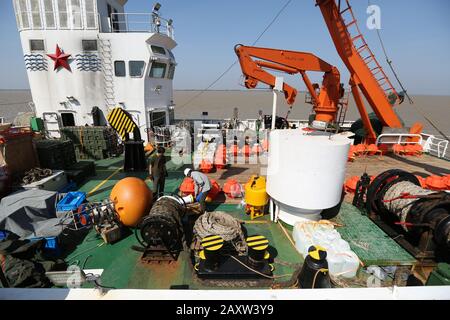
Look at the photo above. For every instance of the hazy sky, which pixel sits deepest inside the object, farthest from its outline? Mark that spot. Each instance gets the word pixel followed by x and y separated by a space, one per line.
pixel 416 34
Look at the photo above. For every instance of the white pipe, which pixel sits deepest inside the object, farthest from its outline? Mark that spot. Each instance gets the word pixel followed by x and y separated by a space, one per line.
pixel 274 109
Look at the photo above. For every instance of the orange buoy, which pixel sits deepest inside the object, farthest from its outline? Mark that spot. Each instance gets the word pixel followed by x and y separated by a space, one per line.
pixel 214 192
pixel 398 149
pixel 350 184
pixel 372 149
pixel 417 149
pixel 149 147
pixel 422 181
pixel 257 149
pixel 234 150
pixel 132 200
pixel 232 188
pixel 187 187
pixel 265 145
pixel 246 151
pixel 435 183
pixel 446 180
pixel 384 148
pixel 220 158
pixel 206 166
pixel 360 149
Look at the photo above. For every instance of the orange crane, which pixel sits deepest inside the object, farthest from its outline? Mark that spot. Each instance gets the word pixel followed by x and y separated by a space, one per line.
pixel 366 74
pixel 326 101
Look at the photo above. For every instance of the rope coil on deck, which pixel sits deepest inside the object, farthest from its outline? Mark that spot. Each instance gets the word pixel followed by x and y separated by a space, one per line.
pixel 224 225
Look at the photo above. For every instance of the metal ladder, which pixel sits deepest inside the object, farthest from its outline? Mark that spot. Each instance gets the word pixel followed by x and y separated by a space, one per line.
pixel 362 48
pixel 343 108
pixel 108 74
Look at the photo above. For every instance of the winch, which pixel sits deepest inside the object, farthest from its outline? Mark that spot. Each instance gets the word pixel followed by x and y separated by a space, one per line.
pixel 160 233
pixel 422 216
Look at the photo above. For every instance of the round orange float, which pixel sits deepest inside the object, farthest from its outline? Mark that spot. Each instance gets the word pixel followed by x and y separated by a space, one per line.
pixel 234 150
pixel 372 149
pixel 206 166
pixel 220 159
pixel 214 192
pixel 350 184
pixel 232 188
pixel 187 187
pixel 132 200
pixel 435 183
pixel 246 151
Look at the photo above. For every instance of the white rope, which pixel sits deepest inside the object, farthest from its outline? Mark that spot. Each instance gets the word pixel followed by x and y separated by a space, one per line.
pixel 400 207
pixel 221 224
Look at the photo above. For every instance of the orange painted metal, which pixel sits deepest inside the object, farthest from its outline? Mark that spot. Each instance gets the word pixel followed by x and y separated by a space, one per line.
pixel 215 190
pixel 325 104
pixel 422 181
pixel 366 73
pixel 132 200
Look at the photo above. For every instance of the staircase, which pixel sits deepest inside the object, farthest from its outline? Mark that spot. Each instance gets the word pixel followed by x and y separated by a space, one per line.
pixel 343 107
pixel 108 72
pixel 366 54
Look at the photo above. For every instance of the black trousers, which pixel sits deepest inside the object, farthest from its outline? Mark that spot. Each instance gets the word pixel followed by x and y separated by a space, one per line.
pixel 158 186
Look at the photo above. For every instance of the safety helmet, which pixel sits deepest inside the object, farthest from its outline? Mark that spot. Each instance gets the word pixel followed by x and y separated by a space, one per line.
pixel 187 171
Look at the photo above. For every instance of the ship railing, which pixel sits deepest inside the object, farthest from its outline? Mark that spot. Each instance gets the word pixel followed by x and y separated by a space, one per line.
pixel 398 138
pixel 436 146
pixel 140 22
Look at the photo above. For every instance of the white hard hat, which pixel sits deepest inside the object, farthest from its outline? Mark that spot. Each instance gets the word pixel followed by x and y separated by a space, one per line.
pixel 187 171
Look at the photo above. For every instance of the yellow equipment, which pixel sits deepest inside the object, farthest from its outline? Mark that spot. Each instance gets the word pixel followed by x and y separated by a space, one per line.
pixel 256 197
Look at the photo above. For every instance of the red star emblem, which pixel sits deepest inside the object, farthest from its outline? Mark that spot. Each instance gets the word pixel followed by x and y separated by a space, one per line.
pixel 60 59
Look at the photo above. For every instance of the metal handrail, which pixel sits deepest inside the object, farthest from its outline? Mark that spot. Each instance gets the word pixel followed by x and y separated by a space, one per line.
pixel 399 136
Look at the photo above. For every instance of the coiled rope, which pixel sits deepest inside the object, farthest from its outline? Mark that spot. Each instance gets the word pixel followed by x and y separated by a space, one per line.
pixel 224 225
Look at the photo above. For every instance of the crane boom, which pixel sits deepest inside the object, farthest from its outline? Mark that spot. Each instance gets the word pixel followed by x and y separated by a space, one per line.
pixel 365 72
pixel 325 103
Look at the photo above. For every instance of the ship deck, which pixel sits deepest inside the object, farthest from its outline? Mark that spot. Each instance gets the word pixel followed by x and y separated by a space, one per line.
pixel 123 267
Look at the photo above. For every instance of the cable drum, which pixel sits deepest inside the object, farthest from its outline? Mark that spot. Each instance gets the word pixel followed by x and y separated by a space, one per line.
pixel 398 205
pixel 224 225
pixel 163 226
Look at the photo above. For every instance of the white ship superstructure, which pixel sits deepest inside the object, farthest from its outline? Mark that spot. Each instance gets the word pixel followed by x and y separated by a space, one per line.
pixel 84 57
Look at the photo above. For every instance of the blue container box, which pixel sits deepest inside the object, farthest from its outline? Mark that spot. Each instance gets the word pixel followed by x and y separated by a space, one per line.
pixel 71 201
pixel 52 246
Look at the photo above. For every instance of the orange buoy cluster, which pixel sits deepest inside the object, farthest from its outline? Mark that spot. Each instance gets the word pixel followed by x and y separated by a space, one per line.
pixel 187 187
pixel 434 182
pixel 408 149
pixel 372 150
pixel 232 188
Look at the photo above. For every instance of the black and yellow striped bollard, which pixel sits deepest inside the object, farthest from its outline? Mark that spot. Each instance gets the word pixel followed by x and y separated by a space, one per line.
pixel 212 246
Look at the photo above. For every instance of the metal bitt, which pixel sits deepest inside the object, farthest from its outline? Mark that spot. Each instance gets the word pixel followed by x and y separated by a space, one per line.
pixel 211 253
pixel 257 250
pixel 134 156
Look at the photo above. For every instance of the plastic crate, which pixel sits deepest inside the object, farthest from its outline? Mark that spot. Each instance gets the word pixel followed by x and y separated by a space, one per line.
pixel 71 201
pixel 3 234
pixel 52 246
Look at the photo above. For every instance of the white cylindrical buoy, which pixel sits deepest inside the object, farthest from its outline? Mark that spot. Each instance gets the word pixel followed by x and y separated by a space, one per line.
pixel 305 172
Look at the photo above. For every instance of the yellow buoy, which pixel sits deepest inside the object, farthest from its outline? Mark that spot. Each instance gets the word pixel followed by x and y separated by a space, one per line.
pixel 256 197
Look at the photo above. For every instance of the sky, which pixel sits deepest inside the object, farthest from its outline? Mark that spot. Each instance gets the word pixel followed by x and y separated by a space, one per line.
pixel 416 34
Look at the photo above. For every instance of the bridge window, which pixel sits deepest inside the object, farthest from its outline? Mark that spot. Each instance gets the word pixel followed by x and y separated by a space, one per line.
pixel 76 14
pixel 171 72
pixel 90 12
pixel 63 14
pixel 158 70
pixel 37 45
pixel 89 45
pixel 49 13
pixel 136 68
pixel 119 68
pixel 158 50
pixel 36 14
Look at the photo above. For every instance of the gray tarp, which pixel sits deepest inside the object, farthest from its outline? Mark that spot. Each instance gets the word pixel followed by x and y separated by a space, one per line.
pixel 30 213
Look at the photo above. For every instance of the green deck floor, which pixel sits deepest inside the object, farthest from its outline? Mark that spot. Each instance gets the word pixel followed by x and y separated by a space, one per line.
pixel 123 269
